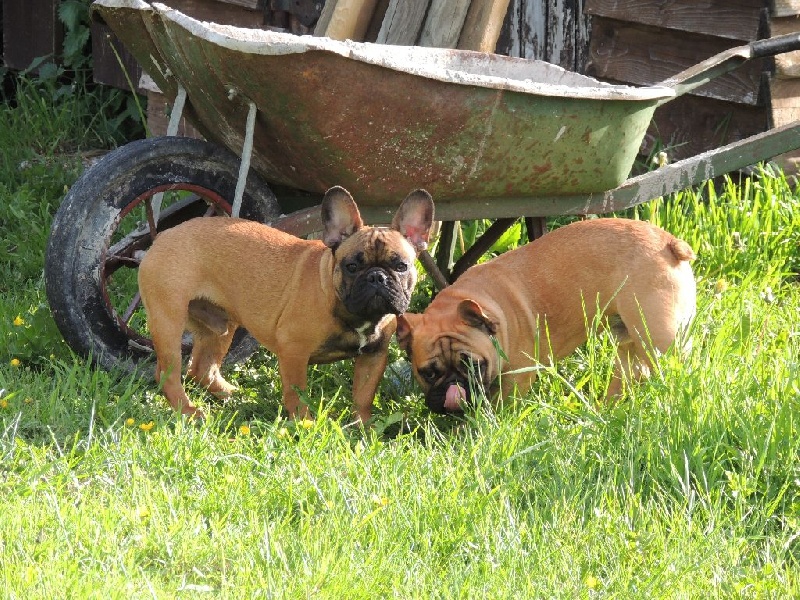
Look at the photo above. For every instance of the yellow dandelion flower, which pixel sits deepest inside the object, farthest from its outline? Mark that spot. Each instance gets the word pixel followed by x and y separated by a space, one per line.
pixel 244 430
pixel 380 500
pixel 15 362
pixel 19 321
pixel 591 582
pixel 142 512
pixel 3 403
pixel 28 401
pixel 306 423
pixel 147 426
pixel 130 421
pixel 229 478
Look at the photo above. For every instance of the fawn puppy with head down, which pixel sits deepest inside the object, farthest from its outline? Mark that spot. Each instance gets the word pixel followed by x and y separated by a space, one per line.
pixel 536 302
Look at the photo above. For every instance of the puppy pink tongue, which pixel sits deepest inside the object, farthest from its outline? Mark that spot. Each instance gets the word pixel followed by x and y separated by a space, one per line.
pixel 453 397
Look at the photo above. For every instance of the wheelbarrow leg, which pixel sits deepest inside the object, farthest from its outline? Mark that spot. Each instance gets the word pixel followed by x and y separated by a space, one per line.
pixel 536 227
pixel 481 246
pixel 447 247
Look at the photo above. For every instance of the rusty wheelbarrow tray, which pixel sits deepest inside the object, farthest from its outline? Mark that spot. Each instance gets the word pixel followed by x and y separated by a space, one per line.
pixel 381 120
pixel 489 136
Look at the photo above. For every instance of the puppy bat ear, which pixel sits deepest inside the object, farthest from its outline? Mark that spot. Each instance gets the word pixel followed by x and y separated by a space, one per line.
pixel 405 325
pixel 471 313
pixel 414 219
pixel 340 216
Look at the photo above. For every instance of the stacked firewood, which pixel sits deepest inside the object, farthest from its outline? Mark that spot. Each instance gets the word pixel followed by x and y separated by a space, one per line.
pixel 465 24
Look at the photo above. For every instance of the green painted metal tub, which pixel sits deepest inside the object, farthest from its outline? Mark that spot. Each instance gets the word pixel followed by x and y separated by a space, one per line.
pixel 382 120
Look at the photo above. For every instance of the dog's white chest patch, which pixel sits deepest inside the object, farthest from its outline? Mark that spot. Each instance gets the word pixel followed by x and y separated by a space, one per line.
pixel 363 337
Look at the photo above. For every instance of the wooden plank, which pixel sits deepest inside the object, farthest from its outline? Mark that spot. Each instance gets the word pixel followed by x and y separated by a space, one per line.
pixel 30 29
pixel 402 24
pixel 556 31
pixel 215 11
pixel 251 4
pixel 526 24
pixel 785 109
pixel 376 22
pixel 784 100
pixel 784 8
pixel 787 65
pixel 483 24
pixel 443 23
pixel 644 55
pixel 689 125
pixel 158 111
pixel 735 19
pixel 349 20
pixel 107 52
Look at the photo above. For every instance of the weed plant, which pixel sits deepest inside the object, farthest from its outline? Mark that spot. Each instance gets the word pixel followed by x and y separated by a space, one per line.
pixel 689 487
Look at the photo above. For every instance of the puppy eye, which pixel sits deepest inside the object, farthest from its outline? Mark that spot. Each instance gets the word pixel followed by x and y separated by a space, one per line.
pixel 430 375
pixel 351 267
pixel 401 267
pixel 472 364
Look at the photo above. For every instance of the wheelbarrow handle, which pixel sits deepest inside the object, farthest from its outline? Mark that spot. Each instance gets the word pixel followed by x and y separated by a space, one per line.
pixel 775 45
pixel 727 61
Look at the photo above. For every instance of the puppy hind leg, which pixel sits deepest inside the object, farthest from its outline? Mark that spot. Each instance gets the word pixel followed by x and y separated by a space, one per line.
pixel 631 364
pixel 166 336
pixel 208 350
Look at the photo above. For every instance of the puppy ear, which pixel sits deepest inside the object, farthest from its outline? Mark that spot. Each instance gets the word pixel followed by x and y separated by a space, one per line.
pixel 414 219
pixel 405 325
pixel 471 313
pixel 340 216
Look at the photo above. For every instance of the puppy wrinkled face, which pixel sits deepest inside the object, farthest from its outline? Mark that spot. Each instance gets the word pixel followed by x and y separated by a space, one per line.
pixel 374 273
pixel 450 372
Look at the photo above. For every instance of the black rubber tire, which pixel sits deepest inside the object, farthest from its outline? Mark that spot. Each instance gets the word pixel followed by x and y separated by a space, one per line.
pixel 91 212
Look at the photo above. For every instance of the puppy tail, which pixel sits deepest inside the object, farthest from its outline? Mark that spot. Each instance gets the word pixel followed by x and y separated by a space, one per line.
pixel 681 250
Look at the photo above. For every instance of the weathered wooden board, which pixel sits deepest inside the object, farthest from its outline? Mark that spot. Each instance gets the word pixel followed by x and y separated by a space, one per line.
pixel 785 104
pixel 735 19
pixel 785 100
pixel 251 4
pixel 556 31
pixel 689 125
pixel 784 8
pixel 787 65
pixel 483 24
pixel 239 14
pixel 403 22
pixel 30 29
pixel 158 113
pixel 107 68
pixel 443 23
pixel 643 55
pixel 348 20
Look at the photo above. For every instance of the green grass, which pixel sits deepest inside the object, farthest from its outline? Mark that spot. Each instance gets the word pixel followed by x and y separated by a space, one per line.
pixel 688 488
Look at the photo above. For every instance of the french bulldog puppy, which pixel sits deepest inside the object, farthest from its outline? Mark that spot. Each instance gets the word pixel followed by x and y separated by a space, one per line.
pixel 307 301
pixel 536 302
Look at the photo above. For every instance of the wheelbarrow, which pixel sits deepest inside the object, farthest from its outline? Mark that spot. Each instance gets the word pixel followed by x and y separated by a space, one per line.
pixel 285 117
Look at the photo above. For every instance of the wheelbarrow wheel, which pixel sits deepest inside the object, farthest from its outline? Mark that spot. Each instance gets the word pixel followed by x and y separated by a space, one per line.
pixel 106 223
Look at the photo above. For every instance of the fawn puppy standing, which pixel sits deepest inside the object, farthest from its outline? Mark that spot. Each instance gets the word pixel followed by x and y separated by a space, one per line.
pixel 307 301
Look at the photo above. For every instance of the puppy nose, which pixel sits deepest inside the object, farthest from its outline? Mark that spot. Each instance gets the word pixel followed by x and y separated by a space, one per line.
pixel 376 277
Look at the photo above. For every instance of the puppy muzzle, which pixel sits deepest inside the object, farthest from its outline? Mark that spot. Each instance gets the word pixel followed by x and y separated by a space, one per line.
pixel 375 294
pixel 450 397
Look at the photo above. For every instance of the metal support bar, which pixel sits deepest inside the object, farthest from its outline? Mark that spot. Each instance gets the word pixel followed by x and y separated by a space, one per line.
pixel 172 130
pixel 439 280
pixel 247 153
pixel 480 246
pixel 177 111
pixel 535 227
pixel 447 246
